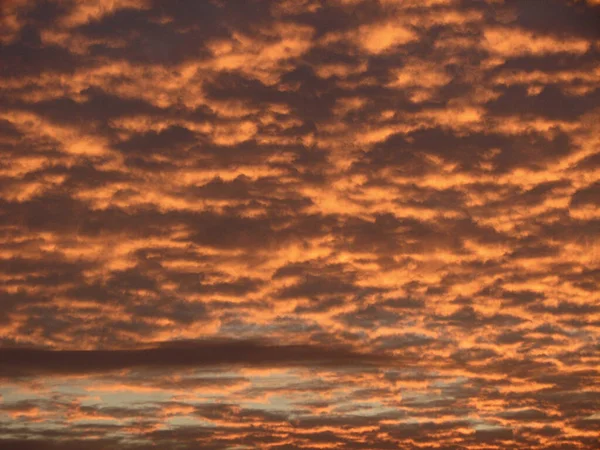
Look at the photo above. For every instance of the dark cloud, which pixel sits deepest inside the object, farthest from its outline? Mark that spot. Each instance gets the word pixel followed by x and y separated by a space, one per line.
pixel 587 196
pixel 28 362
pixel 577 18
pixel 552 103
pixel 27 57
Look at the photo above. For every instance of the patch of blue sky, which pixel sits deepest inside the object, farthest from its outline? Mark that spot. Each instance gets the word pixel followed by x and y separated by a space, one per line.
pixel 13 394
pixel 186 421
pixel 129 398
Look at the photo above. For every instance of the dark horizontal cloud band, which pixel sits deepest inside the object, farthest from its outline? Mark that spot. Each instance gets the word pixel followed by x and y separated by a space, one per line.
pixel 172 355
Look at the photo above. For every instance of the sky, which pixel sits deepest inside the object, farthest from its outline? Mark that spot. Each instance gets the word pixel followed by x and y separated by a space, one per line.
pixel 299 224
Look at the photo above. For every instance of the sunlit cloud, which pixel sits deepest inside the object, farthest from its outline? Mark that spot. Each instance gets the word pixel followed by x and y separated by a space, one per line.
pixel 299 224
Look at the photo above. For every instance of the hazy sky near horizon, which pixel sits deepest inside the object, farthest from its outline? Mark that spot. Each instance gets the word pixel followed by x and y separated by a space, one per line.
pixel 299 224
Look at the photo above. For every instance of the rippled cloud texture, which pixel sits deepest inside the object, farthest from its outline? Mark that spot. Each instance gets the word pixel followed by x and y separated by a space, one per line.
pixel 299 224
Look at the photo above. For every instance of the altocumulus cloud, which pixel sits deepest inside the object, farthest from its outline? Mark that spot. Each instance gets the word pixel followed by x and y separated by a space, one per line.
pixel 292 224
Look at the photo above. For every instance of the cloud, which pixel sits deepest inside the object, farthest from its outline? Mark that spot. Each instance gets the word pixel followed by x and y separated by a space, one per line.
pixel 299 224
pixel 28 361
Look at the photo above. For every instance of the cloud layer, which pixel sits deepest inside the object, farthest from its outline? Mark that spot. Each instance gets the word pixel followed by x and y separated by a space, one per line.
pixel 299 224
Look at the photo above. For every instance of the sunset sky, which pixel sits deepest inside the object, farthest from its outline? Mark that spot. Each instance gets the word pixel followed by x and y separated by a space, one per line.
pixel 299 224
